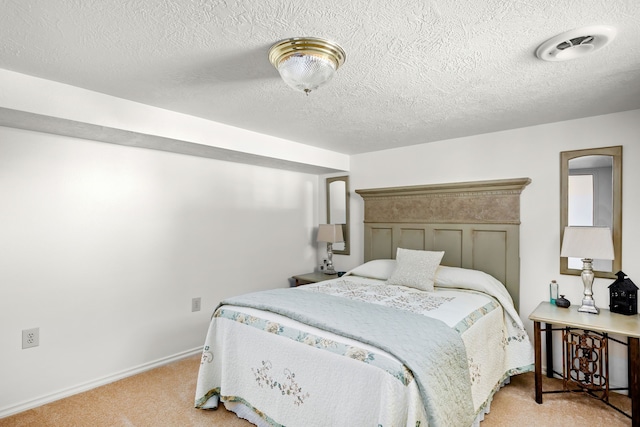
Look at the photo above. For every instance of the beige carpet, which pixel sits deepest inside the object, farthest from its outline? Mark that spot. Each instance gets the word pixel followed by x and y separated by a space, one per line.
pixel 164 397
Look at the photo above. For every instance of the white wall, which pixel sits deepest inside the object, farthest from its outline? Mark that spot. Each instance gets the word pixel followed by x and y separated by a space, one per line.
pixel 532 152
pixel 103 247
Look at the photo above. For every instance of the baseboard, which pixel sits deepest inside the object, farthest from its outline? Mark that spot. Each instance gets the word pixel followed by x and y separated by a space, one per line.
pixel 42 400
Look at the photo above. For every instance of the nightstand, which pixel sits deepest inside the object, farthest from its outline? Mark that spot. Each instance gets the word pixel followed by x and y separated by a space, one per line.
pixel 316 276
pixel 580 346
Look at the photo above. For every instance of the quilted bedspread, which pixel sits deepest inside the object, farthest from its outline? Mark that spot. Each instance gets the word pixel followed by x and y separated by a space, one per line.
pixel 397 356
pixel 433 352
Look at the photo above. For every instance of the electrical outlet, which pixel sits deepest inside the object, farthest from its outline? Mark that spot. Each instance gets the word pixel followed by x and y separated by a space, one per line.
pixel 30 338
pixel 195 304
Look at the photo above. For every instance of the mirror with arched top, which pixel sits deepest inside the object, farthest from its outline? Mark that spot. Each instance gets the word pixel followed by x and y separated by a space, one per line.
pixel 338 210
pixel 591 195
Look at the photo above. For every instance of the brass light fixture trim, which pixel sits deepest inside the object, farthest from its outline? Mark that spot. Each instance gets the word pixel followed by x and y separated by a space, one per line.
pixel 307 46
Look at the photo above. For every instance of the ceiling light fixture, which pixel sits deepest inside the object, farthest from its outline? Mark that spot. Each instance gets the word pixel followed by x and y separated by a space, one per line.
pixel 306 63
pixel 576 43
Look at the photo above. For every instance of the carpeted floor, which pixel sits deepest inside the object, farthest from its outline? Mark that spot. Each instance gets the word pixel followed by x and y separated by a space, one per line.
pixel 163 397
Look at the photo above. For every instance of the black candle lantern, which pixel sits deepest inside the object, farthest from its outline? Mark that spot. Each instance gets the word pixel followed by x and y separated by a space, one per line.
pixel 623 295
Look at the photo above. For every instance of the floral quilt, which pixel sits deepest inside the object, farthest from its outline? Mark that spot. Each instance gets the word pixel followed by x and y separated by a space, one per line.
pixel 274 370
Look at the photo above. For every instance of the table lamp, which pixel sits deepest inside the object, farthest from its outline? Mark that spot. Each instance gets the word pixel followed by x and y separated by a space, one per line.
pixel 330 233
pixel 588 243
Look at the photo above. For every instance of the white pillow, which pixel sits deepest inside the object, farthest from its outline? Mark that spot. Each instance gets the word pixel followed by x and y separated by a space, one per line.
pixel 458 277
pixel 466 278
pixel 415 269
pixel 376 269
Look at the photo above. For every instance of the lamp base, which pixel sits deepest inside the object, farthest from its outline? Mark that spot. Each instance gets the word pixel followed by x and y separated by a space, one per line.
pixel 589 306
pixel 330 269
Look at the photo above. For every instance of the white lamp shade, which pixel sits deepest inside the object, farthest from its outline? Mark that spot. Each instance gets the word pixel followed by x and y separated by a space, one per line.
pixel 330 233
pixel 587 242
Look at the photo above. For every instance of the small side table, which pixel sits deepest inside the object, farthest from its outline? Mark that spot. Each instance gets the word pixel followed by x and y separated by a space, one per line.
pixel 604 323
pixel 316 276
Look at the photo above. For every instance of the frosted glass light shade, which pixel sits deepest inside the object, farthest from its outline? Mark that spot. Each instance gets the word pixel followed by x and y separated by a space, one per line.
pixel 306 63
pixel 306 72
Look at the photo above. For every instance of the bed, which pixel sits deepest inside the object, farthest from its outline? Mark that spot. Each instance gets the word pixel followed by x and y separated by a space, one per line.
pixel 423 333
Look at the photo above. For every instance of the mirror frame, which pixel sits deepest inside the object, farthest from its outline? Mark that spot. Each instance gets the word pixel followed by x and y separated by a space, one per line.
pixel 616 153
pixel 345 227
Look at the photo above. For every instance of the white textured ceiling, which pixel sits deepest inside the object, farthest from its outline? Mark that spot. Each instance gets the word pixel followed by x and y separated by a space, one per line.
pixel 416 71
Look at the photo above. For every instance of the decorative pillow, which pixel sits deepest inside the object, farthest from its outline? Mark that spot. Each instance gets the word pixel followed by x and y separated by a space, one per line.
pixel 376 269
pixel 415 269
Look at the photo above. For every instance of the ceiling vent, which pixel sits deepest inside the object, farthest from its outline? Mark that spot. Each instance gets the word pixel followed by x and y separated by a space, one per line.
pixel 576 43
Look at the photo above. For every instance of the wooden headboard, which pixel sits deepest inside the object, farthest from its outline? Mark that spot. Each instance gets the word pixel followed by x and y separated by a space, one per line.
pixel 477 224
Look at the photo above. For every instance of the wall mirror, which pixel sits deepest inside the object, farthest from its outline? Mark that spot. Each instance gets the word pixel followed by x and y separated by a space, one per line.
pixel 591 195
pixel 338 209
